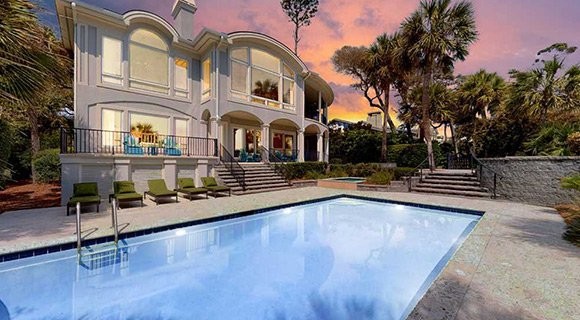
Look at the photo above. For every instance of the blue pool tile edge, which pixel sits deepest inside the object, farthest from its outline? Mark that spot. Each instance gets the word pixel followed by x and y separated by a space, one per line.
pixel 90 242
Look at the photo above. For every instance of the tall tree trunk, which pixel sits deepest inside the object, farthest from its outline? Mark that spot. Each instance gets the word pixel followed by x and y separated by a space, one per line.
pixel 452 127
pixel 34 139
pixel 386 120
pixel 384 141
pixel 425 118
pixel 409 130
pixel 296 38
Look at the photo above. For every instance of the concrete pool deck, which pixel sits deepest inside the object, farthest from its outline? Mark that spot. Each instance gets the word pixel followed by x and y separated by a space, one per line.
pixel 514 265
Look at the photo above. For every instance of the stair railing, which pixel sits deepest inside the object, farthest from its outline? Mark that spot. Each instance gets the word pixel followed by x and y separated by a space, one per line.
pixel 233 166
pixel 271 157
pixel 418 168
pixel 480 167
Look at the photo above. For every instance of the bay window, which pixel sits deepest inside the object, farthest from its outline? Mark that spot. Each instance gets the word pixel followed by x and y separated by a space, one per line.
pixel 262 78
pixel 148 62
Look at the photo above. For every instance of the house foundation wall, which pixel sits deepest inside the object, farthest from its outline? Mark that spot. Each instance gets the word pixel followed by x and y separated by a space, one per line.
pixel 104 169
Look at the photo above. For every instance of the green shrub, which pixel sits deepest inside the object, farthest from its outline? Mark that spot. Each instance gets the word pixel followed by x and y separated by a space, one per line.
pixel 573 142
pixel 383 177
pixel 338 171
pixel 47 165
pixel 313 175
pixel 400 172
pixel 571 182
pixel 298 170
pixel 411 155
pixel 5 150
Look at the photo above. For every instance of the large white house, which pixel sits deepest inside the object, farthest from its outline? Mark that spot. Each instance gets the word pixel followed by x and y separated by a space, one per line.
pixel 157 100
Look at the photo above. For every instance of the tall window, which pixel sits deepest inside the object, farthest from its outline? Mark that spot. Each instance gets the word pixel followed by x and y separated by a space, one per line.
pixel 260 77
pixel 111 125
pixel 148 62
pixel 111 60
pixel 181 80
pixel 181 127
pixel 206 78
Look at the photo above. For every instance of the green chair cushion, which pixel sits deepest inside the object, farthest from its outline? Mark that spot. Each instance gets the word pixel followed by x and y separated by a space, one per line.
pixel 85 189
pixel 186 183
pixel 193 190
pixel 158 188
pixel 83 200
pixel 129 196
pixel 124 187
pixel 209 182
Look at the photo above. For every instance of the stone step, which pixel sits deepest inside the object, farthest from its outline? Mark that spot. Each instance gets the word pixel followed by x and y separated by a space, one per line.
pixel 447 177
pixel 452 182
pixel 252 179
pixel 450 172
pixel 447 174
pixel 265 170
pixel 260 190
pixel 250 174
pixel 262 186
pixel 451 187
pixel 453 192
pixel 254 183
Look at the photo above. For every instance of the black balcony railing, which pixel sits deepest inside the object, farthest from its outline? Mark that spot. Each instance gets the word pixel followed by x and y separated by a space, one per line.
pixel 78 140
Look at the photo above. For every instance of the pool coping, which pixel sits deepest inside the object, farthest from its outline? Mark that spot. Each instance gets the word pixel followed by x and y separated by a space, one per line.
pixel 42 250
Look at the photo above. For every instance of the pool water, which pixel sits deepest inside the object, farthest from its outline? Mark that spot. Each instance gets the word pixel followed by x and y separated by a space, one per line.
pixel 335 259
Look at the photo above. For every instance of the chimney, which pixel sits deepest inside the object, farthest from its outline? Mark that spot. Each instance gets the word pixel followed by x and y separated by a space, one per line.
pixel 182 13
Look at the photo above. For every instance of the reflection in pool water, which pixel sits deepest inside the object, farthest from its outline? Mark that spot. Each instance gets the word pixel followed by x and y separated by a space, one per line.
pixel 336 259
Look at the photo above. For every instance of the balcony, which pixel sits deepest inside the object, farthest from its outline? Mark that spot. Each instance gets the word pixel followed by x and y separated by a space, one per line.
pixel 94 141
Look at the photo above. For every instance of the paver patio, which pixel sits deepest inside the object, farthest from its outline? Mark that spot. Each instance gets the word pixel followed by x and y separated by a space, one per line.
pixel 514 265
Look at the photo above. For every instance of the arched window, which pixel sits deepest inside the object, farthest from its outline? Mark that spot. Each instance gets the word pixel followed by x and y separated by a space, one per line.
pixel 148 61
pixel 262 78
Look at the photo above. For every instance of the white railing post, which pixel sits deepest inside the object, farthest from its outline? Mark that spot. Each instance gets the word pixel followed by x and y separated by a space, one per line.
pixel 79 227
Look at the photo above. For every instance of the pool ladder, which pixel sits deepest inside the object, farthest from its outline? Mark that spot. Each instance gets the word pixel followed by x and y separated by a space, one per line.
pixel 115 224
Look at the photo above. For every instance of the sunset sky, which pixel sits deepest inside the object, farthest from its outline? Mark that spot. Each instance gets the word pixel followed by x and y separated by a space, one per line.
pixel 510 32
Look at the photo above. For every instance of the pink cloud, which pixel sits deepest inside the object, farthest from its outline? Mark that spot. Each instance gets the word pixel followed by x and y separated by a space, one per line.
pixel 510 32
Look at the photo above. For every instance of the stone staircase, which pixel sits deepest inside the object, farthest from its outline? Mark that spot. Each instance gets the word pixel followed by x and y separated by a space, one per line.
pixel 260 177
pixel 451 182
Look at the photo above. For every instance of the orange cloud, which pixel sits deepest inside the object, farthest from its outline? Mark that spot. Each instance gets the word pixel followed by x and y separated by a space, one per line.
pixel 510 32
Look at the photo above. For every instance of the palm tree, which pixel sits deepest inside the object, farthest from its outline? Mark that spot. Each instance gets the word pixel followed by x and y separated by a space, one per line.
pixel 545 89
pixel 382 58
pixel 437 34
pixel 481 93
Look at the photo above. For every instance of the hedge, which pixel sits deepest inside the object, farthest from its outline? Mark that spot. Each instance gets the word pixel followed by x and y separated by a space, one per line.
pixel 47 165
pixel 411 155
pixel 298 170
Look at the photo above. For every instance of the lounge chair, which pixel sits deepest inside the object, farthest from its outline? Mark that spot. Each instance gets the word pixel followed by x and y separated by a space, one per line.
pixel 171 147
pixel 187 187
pixel 131 146
pixel 124 191
pixel 87 193
pixel 158 190
pixel 211 185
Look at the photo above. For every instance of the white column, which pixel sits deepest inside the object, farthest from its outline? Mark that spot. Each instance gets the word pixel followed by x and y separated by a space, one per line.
pixel 170 173
pixel 301 145
pixel 326 147
pixel 265 142
pixel 319 146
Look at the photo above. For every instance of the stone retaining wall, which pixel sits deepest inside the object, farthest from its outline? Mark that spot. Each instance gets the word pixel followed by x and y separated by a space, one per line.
pixel 534 180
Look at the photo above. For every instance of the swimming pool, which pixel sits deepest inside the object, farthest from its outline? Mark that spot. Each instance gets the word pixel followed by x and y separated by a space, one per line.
pixel 333 259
